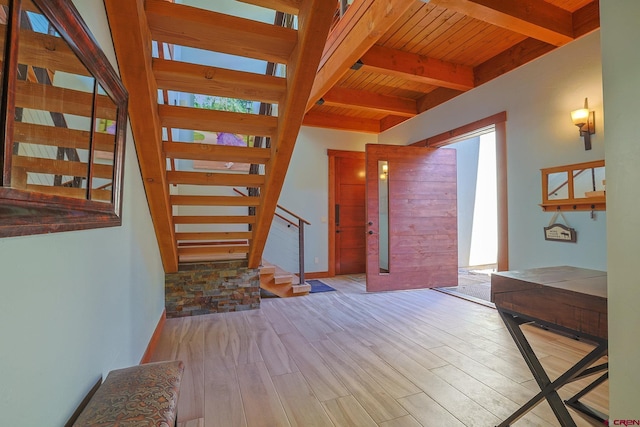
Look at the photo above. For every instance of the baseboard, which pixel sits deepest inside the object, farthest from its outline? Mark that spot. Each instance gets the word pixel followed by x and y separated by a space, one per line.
pixel 317 275
pixel 153 342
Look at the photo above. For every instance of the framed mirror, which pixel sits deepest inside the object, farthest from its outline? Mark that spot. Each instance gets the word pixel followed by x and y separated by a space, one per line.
pixel 64 111
pixel 579 186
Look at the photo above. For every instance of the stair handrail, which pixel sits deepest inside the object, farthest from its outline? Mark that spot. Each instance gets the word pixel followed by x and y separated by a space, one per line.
pixel 300 225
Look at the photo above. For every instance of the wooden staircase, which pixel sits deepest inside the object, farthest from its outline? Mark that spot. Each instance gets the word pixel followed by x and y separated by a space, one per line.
pixel 196 214
pixel 280 282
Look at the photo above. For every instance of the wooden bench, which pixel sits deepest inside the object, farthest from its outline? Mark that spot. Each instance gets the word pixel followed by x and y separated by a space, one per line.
pixel 143 395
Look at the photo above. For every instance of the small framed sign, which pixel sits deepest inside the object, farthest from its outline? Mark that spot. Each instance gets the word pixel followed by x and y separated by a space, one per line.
pixel 560 233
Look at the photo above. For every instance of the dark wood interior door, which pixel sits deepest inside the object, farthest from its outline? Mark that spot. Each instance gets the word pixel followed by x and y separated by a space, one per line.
pixel 421 200
pixel 350 214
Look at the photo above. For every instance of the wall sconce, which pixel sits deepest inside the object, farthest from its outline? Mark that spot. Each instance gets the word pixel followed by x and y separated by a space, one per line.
pixel 585 120
pixel 385 172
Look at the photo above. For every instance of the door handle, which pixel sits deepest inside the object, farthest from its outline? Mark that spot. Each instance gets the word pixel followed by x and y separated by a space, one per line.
pixel 337 215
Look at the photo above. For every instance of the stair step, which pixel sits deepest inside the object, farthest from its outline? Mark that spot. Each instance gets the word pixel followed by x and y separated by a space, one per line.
pixel 282 279
pixel 267 269
pixel 301 289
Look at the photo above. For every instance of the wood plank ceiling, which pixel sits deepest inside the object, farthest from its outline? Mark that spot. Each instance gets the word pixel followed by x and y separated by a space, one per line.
pixel 382 63
pixel 388 60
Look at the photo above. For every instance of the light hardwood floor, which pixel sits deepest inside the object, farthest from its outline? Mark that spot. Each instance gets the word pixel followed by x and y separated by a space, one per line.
pixel 349 358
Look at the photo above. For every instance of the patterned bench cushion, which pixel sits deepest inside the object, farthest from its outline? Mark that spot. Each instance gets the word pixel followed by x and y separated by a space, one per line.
pixel 141 396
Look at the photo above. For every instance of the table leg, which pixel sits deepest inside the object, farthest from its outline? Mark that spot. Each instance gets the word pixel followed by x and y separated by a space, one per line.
pixel 549 388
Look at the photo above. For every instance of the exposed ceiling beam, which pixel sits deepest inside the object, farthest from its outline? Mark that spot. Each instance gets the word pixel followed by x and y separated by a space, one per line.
pixel 205 80
pixel 361 27
pixel 419 68
pixel 391 121
pixel 510 59
pixel 203 29
pixel 132 42
pixel 534 18
pixel 586 19
pixel 436 97
pixel 371 101
pixel 314 22
pixel 287 6
pixel 340 122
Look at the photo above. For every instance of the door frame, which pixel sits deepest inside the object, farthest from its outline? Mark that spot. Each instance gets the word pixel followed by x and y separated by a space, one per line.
pixel 496 123
pixel 332 154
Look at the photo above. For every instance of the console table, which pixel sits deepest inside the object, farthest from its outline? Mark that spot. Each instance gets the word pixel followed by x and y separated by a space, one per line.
pixel 566 299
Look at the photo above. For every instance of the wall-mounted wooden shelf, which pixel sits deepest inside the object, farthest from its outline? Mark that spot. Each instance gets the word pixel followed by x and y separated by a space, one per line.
pixel 577 187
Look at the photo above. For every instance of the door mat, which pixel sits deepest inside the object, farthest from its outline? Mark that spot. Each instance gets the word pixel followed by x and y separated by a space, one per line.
pixel 318 286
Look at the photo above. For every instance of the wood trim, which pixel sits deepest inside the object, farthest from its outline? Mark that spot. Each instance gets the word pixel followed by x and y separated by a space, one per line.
pixel 332 154
pixel 318 275
pixel 502 193
pixel 153 342
pixel 470 130
pixel 497 123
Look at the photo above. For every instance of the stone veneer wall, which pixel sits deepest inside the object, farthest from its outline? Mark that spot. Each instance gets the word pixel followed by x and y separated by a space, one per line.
pixel 211 287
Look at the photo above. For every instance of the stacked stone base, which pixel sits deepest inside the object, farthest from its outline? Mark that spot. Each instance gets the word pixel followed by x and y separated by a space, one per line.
pixel 211 287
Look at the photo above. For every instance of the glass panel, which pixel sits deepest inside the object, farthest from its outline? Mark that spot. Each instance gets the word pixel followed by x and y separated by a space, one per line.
pixel 558 186
pixel 600 178
pixel 383 215
pixel 104 146
pixel 54 105
pixel 582 182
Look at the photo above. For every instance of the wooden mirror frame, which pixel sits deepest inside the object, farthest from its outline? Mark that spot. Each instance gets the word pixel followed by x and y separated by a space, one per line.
pixel 26 212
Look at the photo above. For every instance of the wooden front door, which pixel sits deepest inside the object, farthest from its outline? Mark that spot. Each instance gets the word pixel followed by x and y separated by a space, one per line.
pixel 419 210
pixel 349 211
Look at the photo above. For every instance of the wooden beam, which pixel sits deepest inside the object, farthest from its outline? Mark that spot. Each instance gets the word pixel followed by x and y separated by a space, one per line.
pixel 62 100
pixel 194 27
pixel 213 250
pixel 536 19
pixel 76 193
pixel 340 122
pixel 215 219
pixel 43 50
pixel 30 133
pixel 205 80
pixel 371 101
pixel 132 42
pixel 361 27
pixel 586 19
pixel 510 59
pixel 314 21
pixel 291 7
pixel 215 235
pixel 418 68
pixel 217 121
pixel 436 97
pixel 214 201
pixel 61 167
pixel 222 179
pixel 223 153
pixel 391 121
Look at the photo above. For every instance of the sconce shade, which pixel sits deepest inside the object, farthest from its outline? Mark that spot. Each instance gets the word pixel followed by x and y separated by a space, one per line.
pixel 585 120
pixel 580 117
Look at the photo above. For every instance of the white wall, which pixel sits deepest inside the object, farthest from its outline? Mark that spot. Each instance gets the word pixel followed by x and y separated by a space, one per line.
pixel 537 98
pixel 305 192
pixel 621 75
pixel 75 305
